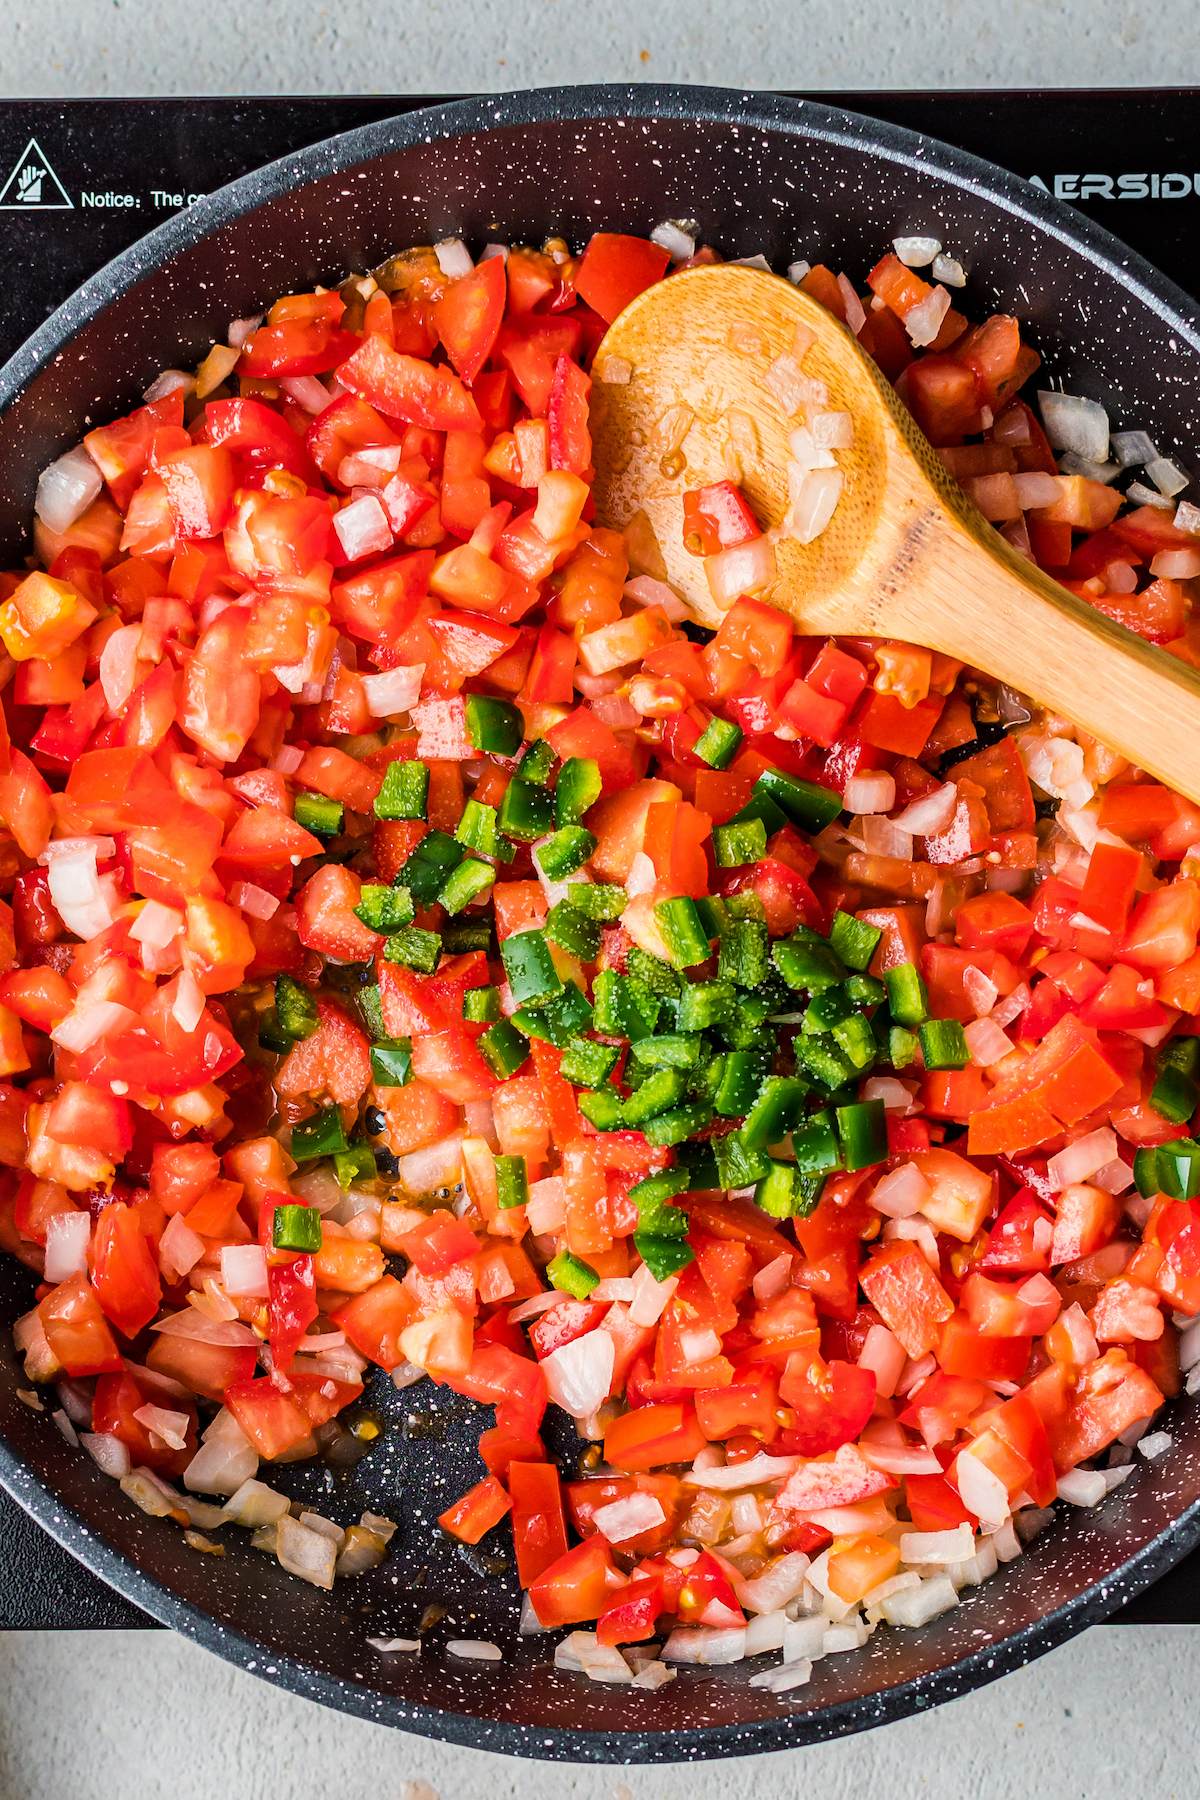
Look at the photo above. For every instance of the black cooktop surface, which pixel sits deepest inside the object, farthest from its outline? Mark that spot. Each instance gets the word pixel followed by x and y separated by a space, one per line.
pixel 81 179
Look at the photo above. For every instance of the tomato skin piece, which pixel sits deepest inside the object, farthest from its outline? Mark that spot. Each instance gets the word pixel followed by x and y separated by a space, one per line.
pixel 480 1507
pixel 407 388
pixel 374 1320
pixel 615 269
pixel 832 1402
pixel 77 1331
pixel 653 1435
pixel 907 1295
pixel 269 1417
pixel 127 1283
pixel 468 316
pixel 539 1523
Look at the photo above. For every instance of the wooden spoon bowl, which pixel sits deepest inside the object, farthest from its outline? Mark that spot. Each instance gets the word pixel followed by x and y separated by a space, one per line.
pixel 681 398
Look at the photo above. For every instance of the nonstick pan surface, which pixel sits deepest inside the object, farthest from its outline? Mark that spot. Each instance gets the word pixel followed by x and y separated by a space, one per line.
pixel 759 173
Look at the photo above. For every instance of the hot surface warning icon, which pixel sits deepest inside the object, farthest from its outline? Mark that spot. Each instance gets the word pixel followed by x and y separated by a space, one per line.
pixel 33 186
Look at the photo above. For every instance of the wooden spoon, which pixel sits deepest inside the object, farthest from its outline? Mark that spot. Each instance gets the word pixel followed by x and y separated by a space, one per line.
pixel 905 554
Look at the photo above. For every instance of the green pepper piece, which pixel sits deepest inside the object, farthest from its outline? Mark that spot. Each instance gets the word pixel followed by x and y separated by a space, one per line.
pixel 864 990
pixel 405 791
pixel 1180 1053
pixel 822 1059
pixel 778 1193
pixel 1179 1169
pixel 573 931
pixel 663 1257
pixel 503 1048
pixel 415 949
pixel 296 1007
pixel 853 939
pixel 743 956
pixel 718 743
pixel 713 915
pixel 537 763
pixel 777 1110
pixel 355 1164
pixel 680 1123
pixel 901 1047
pixel 1174 1095
pixel 587 1063
pixel 384 909
pixel 604 1109
pixel 526 812
pixel 391 1062
pixel 464 884
pixel 811 1188
pixel 512 1182
pixel 744 1028
pixel 321 1135
pixel 481 1005
pixel 657 1094
pixel 562 1018
pixel 653 1193
pixel 597 900
pixel 658 976
pixel 806 804
pixel 565 852
pixel 760 806
pixel 701 1164
pixel 682 932
pixel 318 814
pixel 807 961
pixel 494 726
pixel 1145 1172
pixel 943 1044
pixel 816 1147
pixel 625 1007
pixel 704 1003
pixel 530 968
pixel 672 1050
pixel 425 872
pixel 272 1036
pixel 462 935
pixel 856 1041
pixel 862 1129
pixel 737 1165
pixel 741 1078
pixel 477 829
pixel 571 1275
pixel 827 1009
pixel 577 789
pixel 370 1011
pixel 908 996
pixel 298 1227
pixel 735 845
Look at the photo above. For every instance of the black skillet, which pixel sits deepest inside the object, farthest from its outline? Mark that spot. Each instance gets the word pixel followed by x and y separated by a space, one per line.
pixel 760 173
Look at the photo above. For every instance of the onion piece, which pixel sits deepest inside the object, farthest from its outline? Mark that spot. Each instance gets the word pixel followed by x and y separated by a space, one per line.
pixel 1074 423
pixel 644 590
pixel 931 813
pixel 172 1427
pixel 981 1492
pixel 1176 565
pixel 66 488
pixel 454 259
pixel 744 568
pixel 916 252
pixel 179 1249
pixel 752 1473
pixel 626 1518
pixel 204 1329
pixel 244 1270
pixel 1081 1159
pixel 67 1235
pixel 874 792
pixel 253 900
pixel 156 924
pixel 393 691
pixel 986 1042
pixel 901 1193
pixel 924 320
pixel 578 1375
pixel 107 1452
pixel 884 1354
pixel 1038 489
pixel 86 1025
pixel 362 528
pixel 813 504
pixel 187 1009
pixel 309 394
pixel 76 892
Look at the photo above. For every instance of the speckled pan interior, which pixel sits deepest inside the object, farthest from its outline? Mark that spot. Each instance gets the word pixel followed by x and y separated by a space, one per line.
pixel 759 173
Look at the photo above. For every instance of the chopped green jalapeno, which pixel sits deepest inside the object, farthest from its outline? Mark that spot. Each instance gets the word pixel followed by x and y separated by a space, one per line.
pixel 405 791
pixel 297 1228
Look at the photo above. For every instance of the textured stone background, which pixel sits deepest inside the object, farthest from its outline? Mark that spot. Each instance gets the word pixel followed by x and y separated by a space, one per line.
pixel 92 1716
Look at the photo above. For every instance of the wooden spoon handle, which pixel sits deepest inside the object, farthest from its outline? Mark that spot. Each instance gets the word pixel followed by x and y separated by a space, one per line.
pixel 997 611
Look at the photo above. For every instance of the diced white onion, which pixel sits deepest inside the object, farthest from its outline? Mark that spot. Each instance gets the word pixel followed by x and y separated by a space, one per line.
pixel 742 569
pixel 773 1278
pixel 393 691
pixel 1084 1348
pixel 628 1517
pixel 949 271
pixel 644 590
pixel 1187 518
pixel 796 271
pixel 917 1606
pixel 917 1547
pixel 1167 476
pixel 1176 565
pixel 699 1344
pixel 614 1287
pixel 856 318
pixel 883 1353
pixel 253 900
pixel 778 1584
pixel 1146 496
pixel 225 1460
pixel 986 1042
pixel 924 320
pixel 86 1025
pixel 902 1459
pixel 931 813
pixel 916 252
pixel 546 1208
pixel 901 1193
pixel 433 1166
pixel 1072 422
pixel 650 1297
pixel 1081 1487
pixel 749 1474
pixel 1012 1006
pixel 204 1329
pixel 1082 1158
pixel 1036 488
pixel 454 259
pixel 1133 448
pixel 244 1270
pixel 1156 1444
pixel 77 895
pixel 474 1650
pixel 813 504
pixel 107 1452
pixel 578 1374
pixel 307 392
pixel 172 1427
pixel 982 1492
pixel 188 1008
pixel 832 430
pixel 362 528
pixel 179 1249
pixel 66 488
pixel 67 1235
pixel 895 1096
pixel 176 381
pixel 705 1644
pixel 874 792
pixel 1114 1177
pixel 671 237
pixel 156 925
